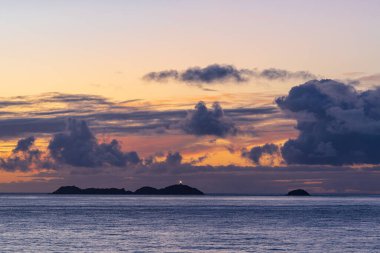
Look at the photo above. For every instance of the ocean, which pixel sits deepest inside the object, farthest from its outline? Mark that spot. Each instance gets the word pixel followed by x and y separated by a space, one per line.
pixel 51 223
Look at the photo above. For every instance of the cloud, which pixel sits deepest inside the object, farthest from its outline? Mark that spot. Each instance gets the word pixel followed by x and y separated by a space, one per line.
pixel 204 121
pixel 162 75
pixel 337 124
pixel 24 144
pixel 79 147
pixel 217 73
pixel 370 79
pixel 23 119
pixel 364 81
pixel 13 102
pixel 258 152
pixel 173 158
pixel 280 74
pixel 211 179
pixel 75 98
pixel 24 125
pixel 132 157
pixel 24 158
pixel 210 74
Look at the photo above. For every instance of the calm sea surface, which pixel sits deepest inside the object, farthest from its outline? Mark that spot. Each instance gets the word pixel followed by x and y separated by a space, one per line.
pixel 49 223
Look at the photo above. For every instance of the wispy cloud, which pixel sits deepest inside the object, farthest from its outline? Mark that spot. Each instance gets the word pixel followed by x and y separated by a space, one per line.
pixel 47 114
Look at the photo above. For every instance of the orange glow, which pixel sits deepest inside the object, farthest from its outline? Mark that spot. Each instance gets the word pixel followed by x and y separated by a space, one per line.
pixel 7 177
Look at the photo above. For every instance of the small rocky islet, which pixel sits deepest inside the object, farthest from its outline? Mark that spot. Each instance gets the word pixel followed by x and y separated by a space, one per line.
pixel 298 192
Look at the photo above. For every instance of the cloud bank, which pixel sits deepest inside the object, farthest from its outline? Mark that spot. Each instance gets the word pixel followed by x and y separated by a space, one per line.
pixel 337 124
pixel 19 117
pixel 223 179
pixel 210 74
pixel 79 147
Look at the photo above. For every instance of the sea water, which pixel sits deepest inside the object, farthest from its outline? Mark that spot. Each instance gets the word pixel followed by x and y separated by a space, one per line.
pixel 51 223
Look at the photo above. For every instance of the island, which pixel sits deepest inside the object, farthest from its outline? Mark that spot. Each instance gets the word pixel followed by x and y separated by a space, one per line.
pixel 298 192
pixel 77 190
pixel 177 189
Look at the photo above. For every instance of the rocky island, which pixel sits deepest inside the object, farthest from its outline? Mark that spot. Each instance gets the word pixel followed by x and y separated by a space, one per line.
pixel 298 192
pixel 177 189
pixel 77 190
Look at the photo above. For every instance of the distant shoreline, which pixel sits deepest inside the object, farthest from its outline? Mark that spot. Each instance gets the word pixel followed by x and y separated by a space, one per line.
pixel 205 194
pixel 209 194
pixel 178 189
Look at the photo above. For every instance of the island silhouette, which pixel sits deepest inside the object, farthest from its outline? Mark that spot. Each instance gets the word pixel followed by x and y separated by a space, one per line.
pixel 177 189
pixel 298 192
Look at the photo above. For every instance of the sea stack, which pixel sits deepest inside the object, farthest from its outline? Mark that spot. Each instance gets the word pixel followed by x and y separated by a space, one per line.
pixel 298 192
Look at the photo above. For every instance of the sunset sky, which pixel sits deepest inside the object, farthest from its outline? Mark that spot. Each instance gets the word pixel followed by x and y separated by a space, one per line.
pixel 228 96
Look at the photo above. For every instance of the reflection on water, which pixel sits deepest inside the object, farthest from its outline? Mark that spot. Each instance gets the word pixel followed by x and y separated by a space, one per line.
pixel 40 223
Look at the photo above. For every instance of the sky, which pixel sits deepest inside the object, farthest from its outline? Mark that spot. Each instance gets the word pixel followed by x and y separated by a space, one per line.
pixel 250 97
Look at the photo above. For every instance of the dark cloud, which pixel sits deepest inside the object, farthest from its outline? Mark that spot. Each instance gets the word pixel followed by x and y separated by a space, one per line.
pixel 211 179
pixel 337 124
pixel 79 147
pixel 171 116
pixel 198 159
pixel 140 115
pixel 173 158
pixel 104 115
pixel 118 122
pixel 257 152
pixel 59 112
pixel 221 73
pixel 26 125
pixel 213 73
pixel 132 157
pixel 24 144
pixel 162 75
pixel 210 74
pixel 204 121
pixel 24 158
